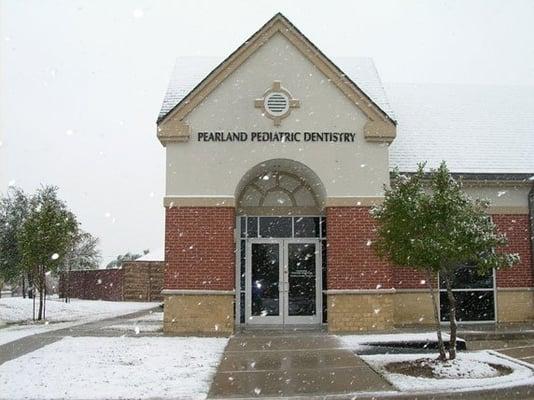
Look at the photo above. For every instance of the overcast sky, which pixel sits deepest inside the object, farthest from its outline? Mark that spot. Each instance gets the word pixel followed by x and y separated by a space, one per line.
pixel 81 82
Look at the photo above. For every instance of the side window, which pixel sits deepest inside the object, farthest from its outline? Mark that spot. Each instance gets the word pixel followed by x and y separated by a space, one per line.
pixel 474 294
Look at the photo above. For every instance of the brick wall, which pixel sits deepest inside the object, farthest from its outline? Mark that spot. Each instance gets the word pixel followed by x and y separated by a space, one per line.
pixel 352 262
pixel 135 281
pixel 101 284
pixel 200 248
pixel 516 228
pixel 143 280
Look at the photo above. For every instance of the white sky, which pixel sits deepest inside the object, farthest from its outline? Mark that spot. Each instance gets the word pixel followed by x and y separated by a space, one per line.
pixel 81 82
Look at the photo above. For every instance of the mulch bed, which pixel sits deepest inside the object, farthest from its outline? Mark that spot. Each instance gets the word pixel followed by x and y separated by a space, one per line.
pixel 423 368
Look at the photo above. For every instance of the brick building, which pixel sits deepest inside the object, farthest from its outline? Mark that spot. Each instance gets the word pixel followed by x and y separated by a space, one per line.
pixel 274 157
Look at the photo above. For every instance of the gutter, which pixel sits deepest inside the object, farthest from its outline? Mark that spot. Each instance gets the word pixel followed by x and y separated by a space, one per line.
pixel 483 177
pixel 531 219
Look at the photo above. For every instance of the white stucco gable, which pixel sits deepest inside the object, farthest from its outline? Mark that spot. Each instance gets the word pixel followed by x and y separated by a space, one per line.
pixel 326 114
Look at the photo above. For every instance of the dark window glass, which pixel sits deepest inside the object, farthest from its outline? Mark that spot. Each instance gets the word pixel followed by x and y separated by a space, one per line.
pixel 325 308
pixel 324 269
pixel 306 227
pixel 252 227
pixel 476 305
pixel 302 278
pixel 466 277
pixel 275 227
pixel 265 260
pixel 243 264
pixel 323 227
pixel 242 308
pixel 243 226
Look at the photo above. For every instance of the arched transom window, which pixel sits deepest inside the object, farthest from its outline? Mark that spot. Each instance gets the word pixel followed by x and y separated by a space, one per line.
pixel 278 189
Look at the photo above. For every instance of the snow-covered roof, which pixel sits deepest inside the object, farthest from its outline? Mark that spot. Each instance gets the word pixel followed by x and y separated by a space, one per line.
pixel 156 255
pixel 190 71
pixel 475 128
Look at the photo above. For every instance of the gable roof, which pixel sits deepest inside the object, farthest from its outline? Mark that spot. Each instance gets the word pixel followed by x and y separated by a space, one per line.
pixel 474 128
pixel 381 126
pixel 190 71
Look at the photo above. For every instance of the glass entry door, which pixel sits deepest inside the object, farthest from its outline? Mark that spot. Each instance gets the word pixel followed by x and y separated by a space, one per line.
pixel 283 281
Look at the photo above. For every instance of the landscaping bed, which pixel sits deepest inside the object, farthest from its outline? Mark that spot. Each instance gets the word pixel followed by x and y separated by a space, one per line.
pixel 470 370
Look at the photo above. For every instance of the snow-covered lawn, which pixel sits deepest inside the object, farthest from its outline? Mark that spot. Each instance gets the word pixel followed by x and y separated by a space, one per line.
pixel 114 368
pixel 16 315
pixel 469 371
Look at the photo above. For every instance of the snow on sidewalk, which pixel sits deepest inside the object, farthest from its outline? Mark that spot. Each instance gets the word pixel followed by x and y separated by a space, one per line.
pixel 114 368
pixel 470 371
pixel 59 315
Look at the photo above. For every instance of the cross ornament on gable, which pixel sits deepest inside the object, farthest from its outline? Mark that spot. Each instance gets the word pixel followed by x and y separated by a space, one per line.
pixel 277 103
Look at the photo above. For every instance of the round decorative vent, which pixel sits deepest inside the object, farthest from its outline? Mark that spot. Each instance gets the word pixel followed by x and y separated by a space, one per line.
pixel 276 103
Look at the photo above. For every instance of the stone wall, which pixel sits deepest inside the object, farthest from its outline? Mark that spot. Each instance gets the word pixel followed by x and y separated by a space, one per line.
pixel 199 270
pixel 351 311
pixel 199 314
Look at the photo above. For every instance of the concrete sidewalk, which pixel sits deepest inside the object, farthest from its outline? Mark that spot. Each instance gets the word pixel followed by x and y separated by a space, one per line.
pixel 289 363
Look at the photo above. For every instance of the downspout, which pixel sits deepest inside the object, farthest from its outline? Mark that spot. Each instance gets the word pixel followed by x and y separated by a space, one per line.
pixel 531 219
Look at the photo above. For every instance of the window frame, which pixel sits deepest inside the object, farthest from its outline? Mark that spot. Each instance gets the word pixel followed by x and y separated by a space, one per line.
pixel 322 239
pixel 493 289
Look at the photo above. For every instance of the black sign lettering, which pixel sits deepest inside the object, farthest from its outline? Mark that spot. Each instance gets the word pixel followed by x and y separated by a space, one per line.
pixel 276 136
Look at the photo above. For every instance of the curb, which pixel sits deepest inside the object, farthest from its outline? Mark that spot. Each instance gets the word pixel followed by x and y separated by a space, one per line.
pixel 514 335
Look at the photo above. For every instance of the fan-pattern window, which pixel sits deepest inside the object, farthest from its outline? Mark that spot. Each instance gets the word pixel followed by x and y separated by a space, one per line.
pixel 278 189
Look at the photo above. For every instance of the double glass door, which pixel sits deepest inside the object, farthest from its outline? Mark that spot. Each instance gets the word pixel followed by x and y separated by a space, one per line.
pixel 283 284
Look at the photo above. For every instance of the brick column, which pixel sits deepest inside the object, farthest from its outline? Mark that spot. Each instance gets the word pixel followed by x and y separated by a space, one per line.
pixel 515 285
pixel 360 291
pixel 199 270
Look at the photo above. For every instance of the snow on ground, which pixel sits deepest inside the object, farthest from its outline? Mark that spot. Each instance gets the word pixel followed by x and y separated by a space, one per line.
pixel 354 342
pixel 152 322
pixel 153 316
pixel 468 371
pixel 114 368
pixel 17 313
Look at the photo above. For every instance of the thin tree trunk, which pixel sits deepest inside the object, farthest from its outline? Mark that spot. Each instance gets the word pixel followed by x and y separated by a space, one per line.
pixel 68 284
pixel 40 280
pixel 441 346
pixel 44 295
pixel 452 318
pixel 23 286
